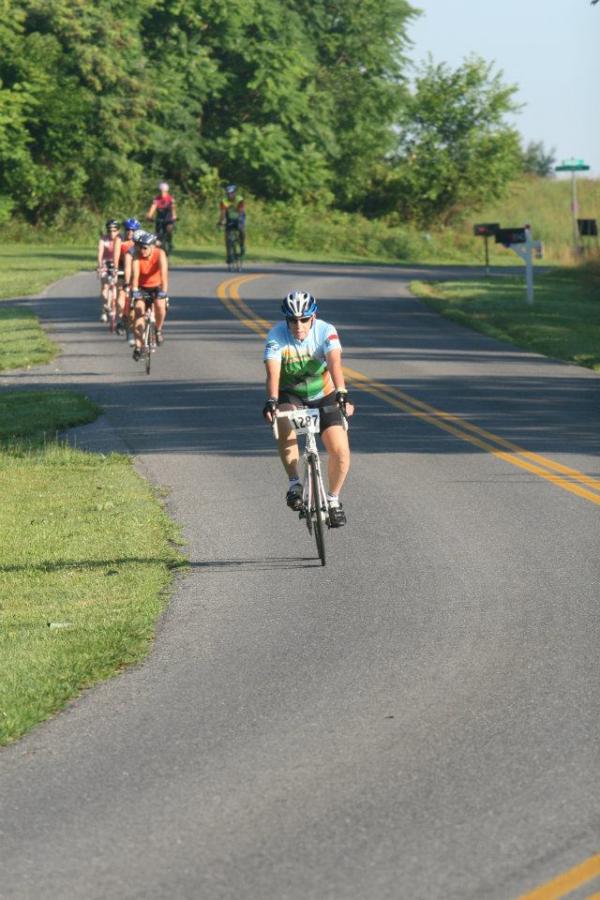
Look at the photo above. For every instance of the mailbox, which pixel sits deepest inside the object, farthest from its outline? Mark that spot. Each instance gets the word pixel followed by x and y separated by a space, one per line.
pixel 587 227
pixel 486 229
pixel 508 236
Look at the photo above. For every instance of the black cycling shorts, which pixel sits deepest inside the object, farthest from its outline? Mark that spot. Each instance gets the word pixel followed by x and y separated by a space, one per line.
pixel 329 409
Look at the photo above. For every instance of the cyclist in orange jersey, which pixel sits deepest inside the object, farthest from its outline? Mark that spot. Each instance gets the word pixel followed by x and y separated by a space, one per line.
pixel 150 274
pixel 109 248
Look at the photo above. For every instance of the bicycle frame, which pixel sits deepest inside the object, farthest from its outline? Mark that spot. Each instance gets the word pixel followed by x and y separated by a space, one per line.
pixel 315 509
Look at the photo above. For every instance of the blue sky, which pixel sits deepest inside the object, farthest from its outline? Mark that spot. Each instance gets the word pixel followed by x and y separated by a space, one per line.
pixel 550 48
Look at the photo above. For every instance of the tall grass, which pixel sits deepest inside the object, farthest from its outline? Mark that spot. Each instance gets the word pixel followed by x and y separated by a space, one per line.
pixel 546 205
pixel 326 233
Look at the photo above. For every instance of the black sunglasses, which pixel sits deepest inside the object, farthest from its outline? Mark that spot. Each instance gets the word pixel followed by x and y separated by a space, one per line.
pixel 304 320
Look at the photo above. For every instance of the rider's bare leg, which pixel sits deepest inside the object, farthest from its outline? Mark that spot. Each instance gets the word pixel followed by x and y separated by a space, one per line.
pixel 335 439
pixel 160 313
pixel 138 329
pixel 288 448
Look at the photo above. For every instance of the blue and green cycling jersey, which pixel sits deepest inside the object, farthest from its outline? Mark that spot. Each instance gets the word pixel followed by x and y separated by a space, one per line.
pixel 303 363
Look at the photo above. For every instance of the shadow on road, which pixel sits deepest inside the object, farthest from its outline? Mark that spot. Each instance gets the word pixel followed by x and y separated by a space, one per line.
pixel 521 397
pixel 264 564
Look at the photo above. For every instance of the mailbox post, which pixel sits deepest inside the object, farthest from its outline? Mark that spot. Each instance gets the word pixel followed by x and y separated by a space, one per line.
pixel 486 230
pixel 520 241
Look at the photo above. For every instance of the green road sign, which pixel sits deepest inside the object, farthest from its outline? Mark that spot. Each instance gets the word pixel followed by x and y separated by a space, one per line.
pixel 572 165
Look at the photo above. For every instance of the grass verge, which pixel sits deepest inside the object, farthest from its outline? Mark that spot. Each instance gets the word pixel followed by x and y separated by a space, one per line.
pixel 87 553
pixel 27 268
pixel 24 344
pixel 563 323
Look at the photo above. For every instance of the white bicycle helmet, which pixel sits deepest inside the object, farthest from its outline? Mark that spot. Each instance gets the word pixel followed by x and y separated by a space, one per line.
pixel 145 239
pixel 298 304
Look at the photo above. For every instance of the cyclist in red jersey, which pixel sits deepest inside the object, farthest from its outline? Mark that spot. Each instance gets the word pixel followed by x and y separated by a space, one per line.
pixel 150 274
pixel 109 249
pixel 163 207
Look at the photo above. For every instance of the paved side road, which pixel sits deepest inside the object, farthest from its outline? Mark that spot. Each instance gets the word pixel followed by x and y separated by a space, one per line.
pixel 417 720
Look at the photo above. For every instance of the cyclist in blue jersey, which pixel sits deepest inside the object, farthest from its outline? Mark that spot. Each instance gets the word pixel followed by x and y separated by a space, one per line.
pixel 303 358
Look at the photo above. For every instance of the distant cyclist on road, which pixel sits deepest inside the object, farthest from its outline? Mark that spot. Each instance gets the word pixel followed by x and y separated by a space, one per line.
pixel 150 276
pixel 109 249
pixel 233 215
pixel 164 210
pixel 125 261
pixel 303 358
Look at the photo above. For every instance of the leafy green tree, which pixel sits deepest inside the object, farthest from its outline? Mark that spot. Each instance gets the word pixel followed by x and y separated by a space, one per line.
pixel 539 161
pixel 455 149
pixel 360 53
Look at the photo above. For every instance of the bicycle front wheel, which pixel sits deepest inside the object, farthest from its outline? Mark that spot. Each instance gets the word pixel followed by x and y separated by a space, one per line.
pixel 112 314
pixel 148 345
pixel 316 508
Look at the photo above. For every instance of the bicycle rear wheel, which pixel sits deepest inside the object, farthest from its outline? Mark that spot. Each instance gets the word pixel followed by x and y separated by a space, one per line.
pixel 316 509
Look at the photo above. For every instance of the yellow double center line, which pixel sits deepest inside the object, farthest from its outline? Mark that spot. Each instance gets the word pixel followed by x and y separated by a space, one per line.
pixel 568 882
pixel 562 476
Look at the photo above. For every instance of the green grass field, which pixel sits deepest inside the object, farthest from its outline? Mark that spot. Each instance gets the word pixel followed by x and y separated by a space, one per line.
pixel 563 323
pixel 87 552
pixel 87 557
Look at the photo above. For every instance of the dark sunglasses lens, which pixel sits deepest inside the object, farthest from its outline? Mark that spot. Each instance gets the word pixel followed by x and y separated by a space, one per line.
pixel 304 320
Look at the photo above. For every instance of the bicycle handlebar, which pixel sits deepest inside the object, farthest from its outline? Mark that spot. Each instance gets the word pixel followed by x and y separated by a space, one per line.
pixel 337 406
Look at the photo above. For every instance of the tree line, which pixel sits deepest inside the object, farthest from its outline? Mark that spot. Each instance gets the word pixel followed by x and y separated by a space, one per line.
pixel 314 100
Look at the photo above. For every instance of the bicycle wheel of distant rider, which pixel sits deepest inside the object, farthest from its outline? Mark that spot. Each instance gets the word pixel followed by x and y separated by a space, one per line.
pixel 237 255
pixel 112 311
pixel 316 511
pixel 234 251
pixel 165 238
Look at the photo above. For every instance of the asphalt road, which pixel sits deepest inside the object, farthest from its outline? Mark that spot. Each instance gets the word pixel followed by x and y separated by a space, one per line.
pixel 420 719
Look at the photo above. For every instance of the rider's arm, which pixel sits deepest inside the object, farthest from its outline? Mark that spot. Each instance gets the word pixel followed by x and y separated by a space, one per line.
pixel 127 268
pixel 100 252
pixel 164 272
pixel 117 252
pixel 334 364
pixel 151 211
pixel 173 210
pixel 135 274
pixel 273 367
pixel 222 213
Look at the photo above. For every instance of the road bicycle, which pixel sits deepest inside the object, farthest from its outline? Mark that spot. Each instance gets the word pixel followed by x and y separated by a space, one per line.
pixel 110 276
pixel 315 509
pixel 234 246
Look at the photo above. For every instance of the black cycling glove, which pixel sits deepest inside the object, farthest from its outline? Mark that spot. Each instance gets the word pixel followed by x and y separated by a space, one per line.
pixel 341 398
pixel 270 406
